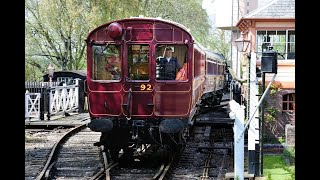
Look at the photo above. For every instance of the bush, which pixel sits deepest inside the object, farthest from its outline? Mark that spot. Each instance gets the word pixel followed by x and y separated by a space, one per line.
pixel 289 153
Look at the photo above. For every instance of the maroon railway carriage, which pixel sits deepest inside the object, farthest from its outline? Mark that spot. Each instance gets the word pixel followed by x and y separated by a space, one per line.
pixel 129 102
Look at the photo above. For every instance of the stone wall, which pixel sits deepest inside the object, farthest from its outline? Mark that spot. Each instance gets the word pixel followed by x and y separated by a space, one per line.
pixel 290 135
pixel 276 128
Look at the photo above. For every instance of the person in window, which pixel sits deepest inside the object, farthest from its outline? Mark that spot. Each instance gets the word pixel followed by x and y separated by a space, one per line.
pixel 169 66
pixel 113 67
pixel 182 74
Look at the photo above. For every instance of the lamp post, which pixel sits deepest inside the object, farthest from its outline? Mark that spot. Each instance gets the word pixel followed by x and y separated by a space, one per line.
pixel 50 73
pixel 242 45
pixel 269 64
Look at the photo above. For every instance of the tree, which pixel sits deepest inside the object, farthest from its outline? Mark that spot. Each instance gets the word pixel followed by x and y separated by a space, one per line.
pixel 219 41
pixel 188 13
pixel 56 30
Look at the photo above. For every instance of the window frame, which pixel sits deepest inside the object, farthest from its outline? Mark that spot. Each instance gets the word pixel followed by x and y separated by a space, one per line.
pixel 149 62
pixel 259 44
pixel 287 101
pixel 93 63
pixel 188 64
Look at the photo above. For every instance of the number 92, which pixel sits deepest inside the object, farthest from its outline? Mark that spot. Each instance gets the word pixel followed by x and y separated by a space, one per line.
pixel 144 87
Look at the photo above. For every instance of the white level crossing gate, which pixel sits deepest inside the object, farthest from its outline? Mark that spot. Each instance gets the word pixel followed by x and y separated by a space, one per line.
pixel 54 100
pixel 32 105
pixel 64 99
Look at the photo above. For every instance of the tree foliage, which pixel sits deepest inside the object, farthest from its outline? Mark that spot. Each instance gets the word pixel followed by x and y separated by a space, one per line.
pixel 55 30
pixel 219 40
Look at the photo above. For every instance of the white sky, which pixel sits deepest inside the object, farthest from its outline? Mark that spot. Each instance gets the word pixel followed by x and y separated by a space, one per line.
pixel 208 5
pixel 218 8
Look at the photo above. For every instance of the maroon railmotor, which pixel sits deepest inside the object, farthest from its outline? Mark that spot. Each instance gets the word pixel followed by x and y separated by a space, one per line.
pixel 131 99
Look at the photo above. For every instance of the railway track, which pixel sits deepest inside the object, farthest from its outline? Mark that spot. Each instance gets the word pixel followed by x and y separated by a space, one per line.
pixel 74 156
pixel 208 153
pixel 38 145
pixel 144 169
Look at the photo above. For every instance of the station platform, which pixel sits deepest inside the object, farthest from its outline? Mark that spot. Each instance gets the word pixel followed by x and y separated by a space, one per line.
pixel 74 119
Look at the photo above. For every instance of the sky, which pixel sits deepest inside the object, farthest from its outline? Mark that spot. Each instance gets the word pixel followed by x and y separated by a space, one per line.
pixel 221 7
pixel 209 5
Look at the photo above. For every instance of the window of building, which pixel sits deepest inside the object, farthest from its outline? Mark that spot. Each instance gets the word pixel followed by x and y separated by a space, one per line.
pixel 288 102
pixel 106 62
pixel 282 41
pixel 171 62
pixel 138 62
pixel 63 79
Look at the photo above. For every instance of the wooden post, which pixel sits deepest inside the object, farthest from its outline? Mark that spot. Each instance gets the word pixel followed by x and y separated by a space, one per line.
pixel 42 100
pixel 81 96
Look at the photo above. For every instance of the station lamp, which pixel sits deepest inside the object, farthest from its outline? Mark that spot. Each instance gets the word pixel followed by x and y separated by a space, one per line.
pixel 242 44
pixel 50 72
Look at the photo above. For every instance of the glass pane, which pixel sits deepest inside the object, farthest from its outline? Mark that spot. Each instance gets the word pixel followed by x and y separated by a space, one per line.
pixel 260 36
pixel 284 106
pixel 281 36
pixel 285 97
pixel 292 37
pixel 106 62
pixel 261 33
pixel 138 62
pixel 291 51
pixel 290 106
pixel 171 62
pixel 290 97
pixel 280 48
pixel 271 36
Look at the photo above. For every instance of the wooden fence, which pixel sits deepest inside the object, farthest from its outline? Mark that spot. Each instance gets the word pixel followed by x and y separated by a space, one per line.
pixel 52 98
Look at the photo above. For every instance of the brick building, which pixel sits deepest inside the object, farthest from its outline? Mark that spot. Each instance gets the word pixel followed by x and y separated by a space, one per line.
pixel 274 25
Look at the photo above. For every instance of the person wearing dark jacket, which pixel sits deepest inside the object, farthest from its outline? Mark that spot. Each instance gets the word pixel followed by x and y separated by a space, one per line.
pixel 169 66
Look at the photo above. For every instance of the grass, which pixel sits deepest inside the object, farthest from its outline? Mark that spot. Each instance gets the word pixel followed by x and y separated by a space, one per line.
pixel 275 168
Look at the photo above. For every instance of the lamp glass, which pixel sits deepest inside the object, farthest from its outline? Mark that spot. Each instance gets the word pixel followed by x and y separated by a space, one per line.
pixel 50 70
pixel 242 44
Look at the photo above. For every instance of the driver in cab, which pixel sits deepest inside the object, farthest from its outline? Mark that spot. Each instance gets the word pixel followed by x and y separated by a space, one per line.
pixel 170 65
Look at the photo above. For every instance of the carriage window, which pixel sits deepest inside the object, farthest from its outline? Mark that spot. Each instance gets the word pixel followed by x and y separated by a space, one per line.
pixel 171 62
pixel 138 62
pixel 106 62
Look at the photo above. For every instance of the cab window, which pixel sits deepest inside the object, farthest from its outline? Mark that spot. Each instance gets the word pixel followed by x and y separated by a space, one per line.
pixel 171 62
pixel 138 62
pixel 106 62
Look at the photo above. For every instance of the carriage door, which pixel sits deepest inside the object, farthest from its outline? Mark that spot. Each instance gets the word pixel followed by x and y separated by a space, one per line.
pixel 137 97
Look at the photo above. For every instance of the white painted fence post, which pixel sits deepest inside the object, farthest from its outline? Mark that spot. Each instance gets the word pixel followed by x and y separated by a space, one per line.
pixel 253 131
pixel 237 113
pixel 76 94
pixel 64 96
pixel 26 100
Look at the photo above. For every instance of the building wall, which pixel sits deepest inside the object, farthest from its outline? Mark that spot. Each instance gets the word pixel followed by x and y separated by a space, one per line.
pixel 285 77
pixel 251 5
pixel 285 80
pixel 276 128
pixel 275 24
pixel 286 68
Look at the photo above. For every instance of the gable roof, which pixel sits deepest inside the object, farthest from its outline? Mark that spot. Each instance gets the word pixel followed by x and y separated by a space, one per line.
pixel 274 9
